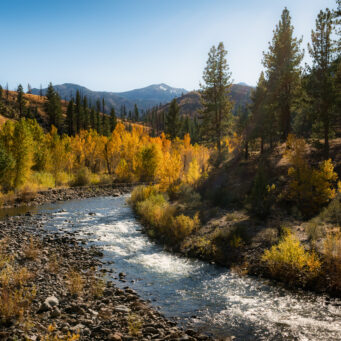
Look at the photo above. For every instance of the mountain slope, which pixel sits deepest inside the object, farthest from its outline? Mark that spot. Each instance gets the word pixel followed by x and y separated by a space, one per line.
pixel 144 98
pixel 190 103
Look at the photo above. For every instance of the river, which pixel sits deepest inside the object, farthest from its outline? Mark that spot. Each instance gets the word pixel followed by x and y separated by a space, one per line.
pixel 194 293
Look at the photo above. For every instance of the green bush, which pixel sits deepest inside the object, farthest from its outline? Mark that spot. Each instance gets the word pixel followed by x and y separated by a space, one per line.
pixel 82 178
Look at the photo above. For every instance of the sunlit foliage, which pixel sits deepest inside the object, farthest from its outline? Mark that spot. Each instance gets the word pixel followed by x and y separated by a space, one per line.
pixel 28 157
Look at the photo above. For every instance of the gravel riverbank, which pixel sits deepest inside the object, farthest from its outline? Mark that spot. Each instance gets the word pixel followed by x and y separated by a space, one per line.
pixel 69 293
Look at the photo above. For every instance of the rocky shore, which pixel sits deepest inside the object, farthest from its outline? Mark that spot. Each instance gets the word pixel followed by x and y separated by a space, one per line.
pixel 67 193
pixel 66 295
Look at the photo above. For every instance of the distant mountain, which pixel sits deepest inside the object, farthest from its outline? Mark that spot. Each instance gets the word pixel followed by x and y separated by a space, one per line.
pixel 145 98
pixel 190 103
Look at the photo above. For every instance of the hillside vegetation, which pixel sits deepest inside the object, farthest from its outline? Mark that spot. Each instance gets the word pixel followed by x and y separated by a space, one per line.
pixel 271 203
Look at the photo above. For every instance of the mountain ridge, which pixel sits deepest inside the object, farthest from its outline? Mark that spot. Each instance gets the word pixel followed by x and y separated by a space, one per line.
pixel 144 98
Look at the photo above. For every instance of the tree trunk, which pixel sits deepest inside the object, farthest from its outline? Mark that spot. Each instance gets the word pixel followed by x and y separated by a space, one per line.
pixel 326 139
pixel 246 156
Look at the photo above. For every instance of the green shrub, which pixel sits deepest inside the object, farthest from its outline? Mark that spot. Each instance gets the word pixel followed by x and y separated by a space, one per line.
pixel 82 178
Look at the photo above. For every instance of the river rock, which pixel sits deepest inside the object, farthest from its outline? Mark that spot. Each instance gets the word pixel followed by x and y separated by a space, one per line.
pixel 49 303
pixel 122 309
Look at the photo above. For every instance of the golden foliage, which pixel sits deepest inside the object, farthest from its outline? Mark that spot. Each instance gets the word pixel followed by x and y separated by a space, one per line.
pixel 310 188
pixel 158 213
pixel 289 260
pixel 126 156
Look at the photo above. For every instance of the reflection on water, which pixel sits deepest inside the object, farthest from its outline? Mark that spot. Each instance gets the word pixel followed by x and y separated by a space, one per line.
pixel 205 296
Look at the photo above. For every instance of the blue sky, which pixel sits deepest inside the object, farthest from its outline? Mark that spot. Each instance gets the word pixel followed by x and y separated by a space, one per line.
pixel 121 45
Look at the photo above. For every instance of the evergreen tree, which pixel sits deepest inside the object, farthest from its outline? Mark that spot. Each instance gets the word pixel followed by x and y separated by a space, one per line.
pixel 103 118
pixel 53 107
pixel 78 112
pixel 93 121
pixel 29 88
pixel 7 93
pixel 71 124
pixel 99 122
pixel 86 114
pixel 261 124
pixel 216 114
pixel 283 71
pixel 41 91
pixel 113 120
pixel 172 124
pixel 136 113
pixel 20 99
pixel 1 90
pixel 321 87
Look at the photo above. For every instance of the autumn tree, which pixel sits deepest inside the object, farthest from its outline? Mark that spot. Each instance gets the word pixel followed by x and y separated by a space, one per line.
pixel 283 72
pixel 22 151
pixel 217 104
pixel 321 87
pixel 172 124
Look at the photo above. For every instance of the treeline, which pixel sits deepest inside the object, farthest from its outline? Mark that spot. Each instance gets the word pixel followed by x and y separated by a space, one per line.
pixel 172 122
pixel 81 114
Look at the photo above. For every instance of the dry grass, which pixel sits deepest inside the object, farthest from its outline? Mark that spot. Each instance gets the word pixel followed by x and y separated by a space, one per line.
pixel 31 249
pixel 134 325
pixel 53 264
pixel 75 282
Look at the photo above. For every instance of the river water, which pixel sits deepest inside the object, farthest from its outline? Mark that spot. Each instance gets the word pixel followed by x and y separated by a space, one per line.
pixel 196 294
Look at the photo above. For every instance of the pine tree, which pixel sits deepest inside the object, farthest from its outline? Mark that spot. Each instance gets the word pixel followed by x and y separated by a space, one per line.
pixel 217 104
pixel 29 88
pixel 321 89
pixel 78 112
pixel 136 113
pixel 113 120
pixel 1 90
pixel 172 124
pixel 20 99
pixel 93 121
pixel 71 125
pixel 86 114
pixel 103 118
pixel 7 93
pixel 283 71
pixel 261 123
pixel 53 107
